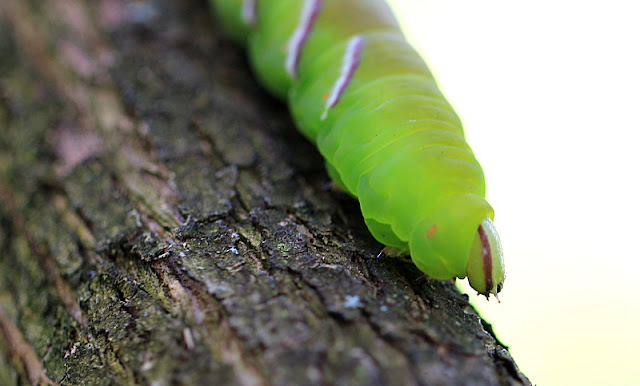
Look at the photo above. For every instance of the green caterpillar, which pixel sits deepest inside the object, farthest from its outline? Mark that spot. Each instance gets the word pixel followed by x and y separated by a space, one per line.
pixel 361 93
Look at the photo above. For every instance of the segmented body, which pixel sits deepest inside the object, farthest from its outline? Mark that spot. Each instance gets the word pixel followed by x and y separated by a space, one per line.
pixel 360 92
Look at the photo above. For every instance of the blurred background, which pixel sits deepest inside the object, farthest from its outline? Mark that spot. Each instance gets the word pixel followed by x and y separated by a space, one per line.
pixel 549 92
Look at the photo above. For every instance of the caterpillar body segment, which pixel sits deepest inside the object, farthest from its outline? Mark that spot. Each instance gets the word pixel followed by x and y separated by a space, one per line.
pixel 368 101
pixel 237 17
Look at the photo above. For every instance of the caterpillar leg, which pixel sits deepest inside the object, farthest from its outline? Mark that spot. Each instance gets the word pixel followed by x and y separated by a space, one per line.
pixel 336 183
pixel 396 253
pixel 333 186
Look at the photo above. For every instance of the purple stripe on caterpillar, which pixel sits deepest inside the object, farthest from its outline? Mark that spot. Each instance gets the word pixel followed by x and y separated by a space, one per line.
pixel 249 12
pixel 308 16
pixel 487 258
pixel 350 62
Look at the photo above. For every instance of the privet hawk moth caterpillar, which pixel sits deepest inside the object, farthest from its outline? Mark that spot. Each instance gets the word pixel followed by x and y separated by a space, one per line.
pixel 358 90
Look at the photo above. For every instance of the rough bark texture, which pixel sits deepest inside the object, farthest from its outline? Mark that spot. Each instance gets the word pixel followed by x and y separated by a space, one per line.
pixel 162 222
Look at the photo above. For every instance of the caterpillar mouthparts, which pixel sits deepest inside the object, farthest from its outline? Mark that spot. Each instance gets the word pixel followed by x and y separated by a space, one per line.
pixel 485 269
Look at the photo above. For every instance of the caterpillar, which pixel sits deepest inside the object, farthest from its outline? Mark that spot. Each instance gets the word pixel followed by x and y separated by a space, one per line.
pixel 366 99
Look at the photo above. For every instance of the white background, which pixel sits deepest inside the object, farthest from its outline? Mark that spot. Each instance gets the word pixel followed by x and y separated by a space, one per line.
pixel 549 92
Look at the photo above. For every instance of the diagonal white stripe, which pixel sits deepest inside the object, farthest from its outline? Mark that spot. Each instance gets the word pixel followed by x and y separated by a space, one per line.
pixel 350 62
pixel 249 11
pixel 300 35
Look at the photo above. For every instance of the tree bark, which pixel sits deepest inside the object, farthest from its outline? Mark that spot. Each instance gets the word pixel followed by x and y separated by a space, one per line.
pixel 162 222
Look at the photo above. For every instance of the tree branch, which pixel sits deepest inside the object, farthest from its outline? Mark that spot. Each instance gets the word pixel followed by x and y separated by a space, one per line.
pixel 163 222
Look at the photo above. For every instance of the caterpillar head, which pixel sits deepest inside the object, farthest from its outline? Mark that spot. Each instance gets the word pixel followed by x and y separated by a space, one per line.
pixel 485 268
